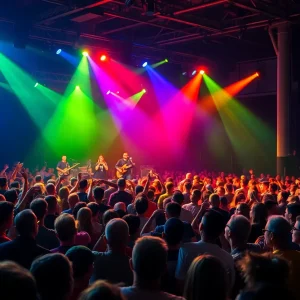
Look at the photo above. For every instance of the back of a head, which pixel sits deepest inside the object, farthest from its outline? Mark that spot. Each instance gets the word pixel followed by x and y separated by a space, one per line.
pixel 52 202
pixel 39 207
pixel 102 290
pixel 16 282
pixel 196 194
pixel 117 233
pixel 169 186
pixel 294 210
pixel 150 194
pixel 273 187
pixel 53 275
pixel 77 207
pixel 264 268
pixel 214 199
pixel 149 258
pixel 178 197
pixel 73 199
pixel 65 227
pixel 240 227
pixel 212 224
pixel 188 186
pixel 229 187
pixel 98 193
pixel 38 178
pixel 259 213
pixel 15 185
pixel 6 212
pixel 206 279
pixel 94 207
pixel 120 206
pixel 121 183
pixel 139 189
pixel 50 188
pixel 109 215
pixel 280 227
pixel 82 259
pixel 84 217
pixel 223 201
pixel 26 223
pixel 3 182
pixel 173 231
pixel 244 209
pixel 11 196
pixel 83 184
pixel 141 204
pixel 133 223
pixel 173 210
pixel 284 195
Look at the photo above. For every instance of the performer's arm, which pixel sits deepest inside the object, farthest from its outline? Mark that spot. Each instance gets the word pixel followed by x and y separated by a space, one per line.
pixel 118 165
pixel 105 166
pixel 97 166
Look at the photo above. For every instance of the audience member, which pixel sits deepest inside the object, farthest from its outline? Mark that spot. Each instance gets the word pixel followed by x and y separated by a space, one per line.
pixel 73 199
pixel 193 206
pixel 77 207
pixel 6 220
pixel 185 215
pixel 53 275
pixel 258 216
pixel 16 282
pixel 292 211
pixel 149 261
pixel 243 209
pixel 83 187
pixel 214 200
pixel 169 193
pixel 95 208
pixel 24 249
pixel 206 279
pixel 141 206
pixel 82 260
pixel 121 195
pixel 113 265
pixel 51 212
pixel 46 237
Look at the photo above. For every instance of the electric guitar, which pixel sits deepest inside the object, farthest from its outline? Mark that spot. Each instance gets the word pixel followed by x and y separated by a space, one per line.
pixel 65 171
pixel 122 170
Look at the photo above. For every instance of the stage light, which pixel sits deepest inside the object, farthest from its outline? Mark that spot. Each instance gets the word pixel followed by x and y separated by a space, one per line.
pixel 144 91
pixel 145 64
pixel 85 53
pixel 183 73
pixel 118 92
pixel 36 84
pixel 108 92
pixel 77 87
pixel 166 60
pixel 202 72
pixel 58 51
pixel 194 72
pixel 103 58
pixel 257 74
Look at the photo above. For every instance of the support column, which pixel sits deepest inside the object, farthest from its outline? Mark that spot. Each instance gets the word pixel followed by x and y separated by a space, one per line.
pixel 283 97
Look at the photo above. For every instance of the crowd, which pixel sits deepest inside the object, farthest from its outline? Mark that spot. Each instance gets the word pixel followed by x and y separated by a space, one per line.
pixel 195 237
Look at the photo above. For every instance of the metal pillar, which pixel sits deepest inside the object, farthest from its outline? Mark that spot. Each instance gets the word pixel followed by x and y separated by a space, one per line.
pixel 283 97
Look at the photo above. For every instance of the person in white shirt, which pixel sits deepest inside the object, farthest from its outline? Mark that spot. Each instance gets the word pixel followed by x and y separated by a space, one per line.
pixel 193 207
pixel 149 263
pixel 211 227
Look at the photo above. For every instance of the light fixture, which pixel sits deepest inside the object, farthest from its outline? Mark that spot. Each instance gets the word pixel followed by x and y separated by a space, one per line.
pixel 183 73
pixel 108 92
pixel 36 84
pixel 58 51
pixel 202 72
pixel 103 58
pixel 166 60
pixel 144 64
pixel 194 72
pixel 77 87
pixel 85 53
pixel 257 74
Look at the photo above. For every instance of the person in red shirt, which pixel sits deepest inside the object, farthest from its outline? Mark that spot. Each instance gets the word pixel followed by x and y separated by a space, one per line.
pixel 6 220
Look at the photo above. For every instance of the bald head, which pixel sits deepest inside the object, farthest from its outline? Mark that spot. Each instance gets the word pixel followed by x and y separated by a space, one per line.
pixel 26 223
pixel 279 226
pixel 214 199
pixel 117 233
pixel 120 206
pixel 73 199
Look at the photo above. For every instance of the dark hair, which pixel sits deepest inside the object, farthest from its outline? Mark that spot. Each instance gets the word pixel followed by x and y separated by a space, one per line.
pixel 39 207
pixel 82 259
pixel 169 185
pixel 11 196
pixel 109 215
pixel 94 207
pixel 121 182
pixel 213 224
pixel 178 197
pixel 139 189
pixel 141 204
pixel 259 214
pixel 52 202
pixel 188 185
pixel 270 204
pixel 244 210
pixel 3 182
pixel 38 178
pixel 173 210
pixel 6 210
pixel 229 187
pixel 98 193
pixel 121 213
pixel 102 290
pixel 16 282
pixel 25 222
pixel 206 279
pixel 197 193
pixel 224 201
pixel 150 194
pixel 133 222
pixel 173 230
pixel 273 187
pixel 50 188
pixel 53 275
pixel 285 195
pixel 83 184
pixel 77 208
pixel 15 185
pixel 294 210
pixel 73 180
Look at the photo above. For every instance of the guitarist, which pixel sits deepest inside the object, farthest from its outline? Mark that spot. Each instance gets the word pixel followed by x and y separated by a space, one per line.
pixel 124 166
pixel 62 166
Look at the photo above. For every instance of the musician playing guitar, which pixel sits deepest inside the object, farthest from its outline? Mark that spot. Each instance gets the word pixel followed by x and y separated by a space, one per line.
pixel 63 167
pixel 124 167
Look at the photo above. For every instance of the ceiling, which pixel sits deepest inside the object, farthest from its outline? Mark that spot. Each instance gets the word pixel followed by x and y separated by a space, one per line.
pixel 183 30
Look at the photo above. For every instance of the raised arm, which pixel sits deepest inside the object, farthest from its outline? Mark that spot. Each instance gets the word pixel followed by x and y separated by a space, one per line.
pixel 146 187
pixel 109 183
pixel 3 172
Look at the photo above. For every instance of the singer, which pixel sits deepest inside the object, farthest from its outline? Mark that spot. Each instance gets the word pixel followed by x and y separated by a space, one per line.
pixel 124 167
pixel 101 168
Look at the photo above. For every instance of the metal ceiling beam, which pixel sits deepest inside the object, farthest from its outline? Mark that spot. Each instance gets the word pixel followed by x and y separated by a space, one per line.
pixel 73 11
pixel 198 7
